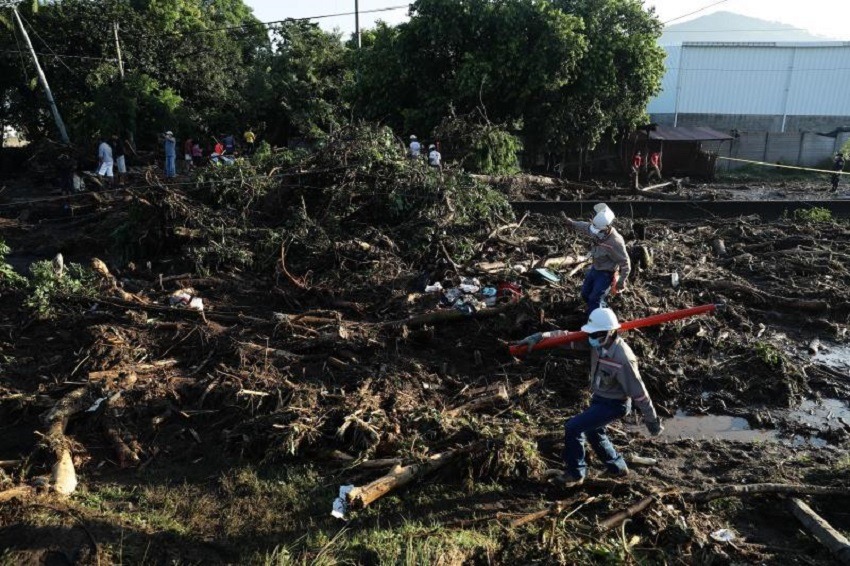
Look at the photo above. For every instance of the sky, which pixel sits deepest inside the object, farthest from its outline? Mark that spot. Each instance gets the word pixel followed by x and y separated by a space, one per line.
pixel 828 18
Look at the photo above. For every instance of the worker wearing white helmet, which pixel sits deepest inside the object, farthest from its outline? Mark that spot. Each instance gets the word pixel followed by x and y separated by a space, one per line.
pixel 415 148
pixel 615 383
pixel 608 254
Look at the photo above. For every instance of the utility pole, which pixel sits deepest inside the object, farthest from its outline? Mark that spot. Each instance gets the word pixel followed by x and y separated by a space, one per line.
pixel 63 133
pixel 357 23
pixel 118 49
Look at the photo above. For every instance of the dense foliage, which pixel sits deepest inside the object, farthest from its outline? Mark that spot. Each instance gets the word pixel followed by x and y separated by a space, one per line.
pixel 557 74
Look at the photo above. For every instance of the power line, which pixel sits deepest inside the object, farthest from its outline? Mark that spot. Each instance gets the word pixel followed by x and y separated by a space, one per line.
pixel 57 56
pixel 704 8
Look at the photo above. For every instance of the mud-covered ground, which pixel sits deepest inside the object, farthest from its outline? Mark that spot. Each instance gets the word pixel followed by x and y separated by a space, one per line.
pixel 240 426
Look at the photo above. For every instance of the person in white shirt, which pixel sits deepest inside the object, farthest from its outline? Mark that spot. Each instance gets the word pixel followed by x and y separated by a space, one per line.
pixel 434 157
pixel 415 148
pixel 104 160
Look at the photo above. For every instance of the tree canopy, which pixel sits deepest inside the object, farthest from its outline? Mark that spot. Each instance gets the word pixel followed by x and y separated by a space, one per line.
pixel 560 74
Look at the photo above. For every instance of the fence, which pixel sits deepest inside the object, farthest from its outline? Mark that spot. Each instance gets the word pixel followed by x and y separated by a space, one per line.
pixel 804 149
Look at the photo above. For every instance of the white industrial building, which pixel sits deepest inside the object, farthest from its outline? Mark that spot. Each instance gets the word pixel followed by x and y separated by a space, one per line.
pixel 783 94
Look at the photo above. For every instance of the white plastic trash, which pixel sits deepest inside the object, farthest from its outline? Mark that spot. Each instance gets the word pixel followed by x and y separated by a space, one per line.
pixel 340 504
pixel 435 288
pixel 674 279
pixel 723 535
pixel 197 304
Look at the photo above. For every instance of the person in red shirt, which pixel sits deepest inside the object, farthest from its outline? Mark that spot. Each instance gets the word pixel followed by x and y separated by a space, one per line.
pixel 637 161
pixel 654 167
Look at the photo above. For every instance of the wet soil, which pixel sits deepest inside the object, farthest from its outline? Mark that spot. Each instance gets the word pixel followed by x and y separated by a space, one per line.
pixel 239 436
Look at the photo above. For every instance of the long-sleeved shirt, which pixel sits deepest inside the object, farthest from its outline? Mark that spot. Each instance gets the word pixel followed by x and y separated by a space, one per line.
pixel 609 253
pixel 104 153
pixel 614 375
pixel 170 147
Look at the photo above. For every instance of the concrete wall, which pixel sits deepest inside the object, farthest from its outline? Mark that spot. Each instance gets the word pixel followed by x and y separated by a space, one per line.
pixel 803 149
pixel 755 123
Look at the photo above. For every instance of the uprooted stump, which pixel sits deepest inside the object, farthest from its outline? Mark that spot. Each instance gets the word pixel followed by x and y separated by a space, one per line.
pixel 64 476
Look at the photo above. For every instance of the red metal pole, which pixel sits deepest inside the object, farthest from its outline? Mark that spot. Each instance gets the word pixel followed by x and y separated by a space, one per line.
pixel 654 320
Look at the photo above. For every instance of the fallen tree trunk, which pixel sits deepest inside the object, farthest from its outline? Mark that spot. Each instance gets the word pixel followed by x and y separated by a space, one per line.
pixel 760 296
pixel 14 492
pixel 761 488
pixel 837 543
pixel 64 477
pixel 363 496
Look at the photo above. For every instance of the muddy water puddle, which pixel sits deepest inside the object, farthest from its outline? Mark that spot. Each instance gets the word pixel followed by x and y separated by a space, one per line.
pixel 816 415
pixel 835 357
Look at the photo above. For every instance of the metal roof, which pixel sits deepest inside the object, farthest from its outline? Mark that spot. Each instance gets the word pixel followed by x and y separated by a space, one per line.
pixel 687 133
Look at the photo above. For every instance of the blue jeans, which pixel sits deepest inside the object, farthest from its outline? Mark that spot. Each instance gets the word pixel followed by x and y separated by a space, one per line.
pixel 170 165
pixel 595 284
pixel 591 425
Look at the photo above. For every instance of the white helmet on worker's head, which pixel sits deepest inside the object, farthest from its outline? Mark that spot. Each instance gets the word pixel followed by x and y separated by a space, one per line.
pixel 601 320
pixel 432 146
pixel 602 219
pixel 413 138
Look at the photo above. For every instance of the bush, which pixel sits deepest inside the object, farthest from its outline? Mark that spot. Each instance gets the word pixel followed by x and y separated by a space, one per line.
pixel 812 215
pixel 8 277
pixel 479 146
pixel 46 288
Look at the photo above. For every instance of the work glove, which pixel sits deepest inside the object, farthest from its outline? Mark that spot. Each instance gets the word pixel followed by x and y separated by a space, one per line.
pixel 531 341
pixel 654 427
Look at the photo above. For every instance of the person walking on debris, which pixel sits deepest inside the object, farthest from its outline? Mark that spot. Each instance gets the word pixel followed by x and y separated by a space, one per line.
pixel 838 166
pixel 105 164
pixel 250 139
pixel 415 148
pixel 434 157
pixel 608 254
pixel 170 155
pixel 118 155
pixel 654 167
pixel 637 160
pixel 615 383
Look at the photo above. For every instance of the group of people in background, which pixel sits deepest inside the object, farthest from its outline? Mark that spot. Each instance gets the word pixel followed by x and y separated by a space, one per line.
pixel 435 158
pixel 647 163
pixel 112 164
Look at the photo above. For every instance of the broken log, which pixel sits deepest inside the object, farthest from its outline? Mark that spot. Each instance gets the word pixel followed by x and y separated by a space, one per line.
pixel 64 477
pixel 447 315
pixel 14 493
pixel 500 397
pixel 617 518
pixel 363 496
pixel 736 490
pixel 126 456
pixel 555 508
pixel 828 536
pixel 9 463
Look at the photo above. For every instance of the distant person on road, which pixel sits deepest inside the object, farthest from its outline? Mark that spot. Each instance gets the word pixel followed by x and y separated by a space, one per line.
pixel 250 139
pixel 415 148
pixel 608 254
pixel 615 384
pixel 435 159
pixel 838 166
pixel 654 167
pixel 170 145
pixel 105 163
pixel 637 162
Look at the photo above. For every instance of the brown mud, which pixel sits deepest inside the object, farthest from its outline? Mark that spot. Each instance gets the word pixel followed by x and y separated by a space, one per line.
pixel 224 437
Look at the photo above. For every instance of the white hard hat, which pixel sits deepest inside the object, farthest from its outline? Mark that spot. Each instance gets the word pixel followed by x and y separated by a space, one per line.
pixel 604 217
pixel 413 137
pixel 169 133
pixel 601 320
pixel 432 146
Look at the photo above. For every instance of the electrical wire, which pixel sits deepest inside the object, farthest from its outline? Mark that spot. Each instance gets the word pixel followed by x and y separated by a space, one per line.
pixel 704 8
pixel 57 56
pixel 46 45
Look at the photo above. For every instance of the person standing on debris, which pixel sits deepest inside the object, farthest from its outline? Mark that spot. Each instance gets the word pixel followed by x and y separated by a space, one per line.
pixel 104 161
pixel 197 154
pixel 415 148
pixel 654 167
pixel 608 254
pixel 229 144
pixel 250 139
pixel 434 158
pixel 838 167
pixel 118 154
pixel 187 153
pixel 170 155
pixel 637 161
pixel 615 384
